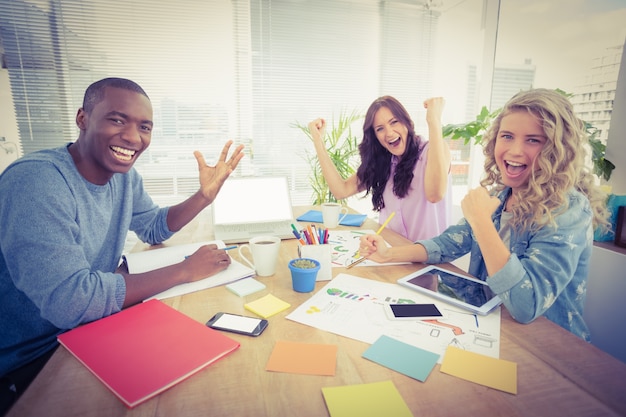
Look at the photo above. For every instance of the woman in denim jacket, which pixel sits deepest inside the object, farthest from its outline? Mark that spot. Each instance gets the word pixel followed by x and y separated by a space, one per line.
pixel 531 236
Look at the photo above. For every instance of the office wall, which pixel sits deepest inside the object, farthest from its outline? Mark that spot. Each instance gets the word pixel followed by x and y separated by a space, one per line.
pixel 606 285
pixel 604 305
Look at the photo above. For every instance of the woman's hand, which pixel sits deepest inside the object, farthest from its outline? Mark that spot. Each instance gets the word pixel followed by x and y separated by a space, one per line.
pixel 478 206
pixel 317 128
pixel 374 247
pixel 434 109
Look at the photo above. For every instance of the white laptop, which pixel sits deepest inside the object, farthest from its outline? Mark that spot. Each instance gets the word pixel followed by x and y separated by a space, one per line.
pixel 247 207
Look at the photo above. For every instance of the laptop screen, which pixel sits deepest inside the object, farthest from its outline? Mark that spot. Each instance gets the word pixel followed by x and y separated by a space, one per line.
pixel 252 200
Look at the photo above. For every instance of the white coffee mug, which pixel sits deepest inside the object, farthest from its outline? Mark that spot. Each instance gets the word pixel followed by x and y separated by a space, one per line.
pixel 264 250
pixel 331 213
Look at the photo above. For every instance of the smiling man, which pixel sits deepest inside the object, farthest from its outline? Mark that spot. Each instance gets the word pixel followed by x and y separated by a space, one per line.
pixel 65 214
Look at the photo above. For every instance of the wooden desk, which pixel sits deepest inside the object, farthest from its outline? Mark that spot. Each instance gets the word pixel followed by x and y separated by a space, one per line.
pixel 558 374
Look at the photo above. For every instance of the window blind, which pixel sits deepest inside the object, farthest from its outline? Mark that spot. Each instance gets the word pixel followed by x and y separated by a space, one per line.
pixel 245 70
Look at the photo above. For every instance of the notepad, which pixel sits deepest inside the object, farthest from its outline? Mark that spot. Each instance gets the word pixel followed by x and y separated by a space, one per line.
pixel 245 287
pixel 146 349
pixel 149 260
pixel 366 400
pixel 267 306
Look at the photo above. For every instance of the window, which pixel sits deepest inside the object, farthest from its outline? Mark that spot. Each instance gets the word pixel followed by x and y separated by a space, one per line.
pixel 240 69
pixel 248 69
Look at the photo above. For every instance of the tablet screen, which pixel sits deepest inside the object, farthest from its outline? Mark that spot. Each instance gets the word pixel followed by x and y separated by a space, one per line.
pixel 454 286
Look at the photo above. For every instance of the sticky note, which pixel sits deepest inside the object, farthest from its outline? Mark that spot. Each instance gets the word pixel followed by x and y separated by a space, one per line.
pixel 267 306
pixel 245 286
pixel 365 400
pixel 481 369
pixel 402 357
pixel 303 358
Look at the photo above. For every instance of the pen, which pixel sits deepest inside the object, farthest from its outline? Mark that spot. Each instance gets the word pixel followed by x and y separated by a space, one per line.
pixel 358 261
pixel 316 235
pixel 311 235
pixel 225 248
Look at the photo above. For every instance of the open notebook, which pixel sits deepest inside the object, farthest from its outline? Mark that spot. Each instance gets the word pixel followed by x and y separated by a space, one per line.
pixel 247 207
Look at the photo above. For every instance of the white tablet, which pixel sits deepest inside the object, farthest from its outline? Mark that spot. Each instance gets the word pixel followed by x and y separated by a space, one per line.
pixel 469 293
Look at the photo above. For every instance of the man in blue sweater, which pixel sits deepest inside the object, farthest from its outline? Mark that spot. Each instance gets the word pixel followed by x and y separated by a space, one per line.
pixel 65 214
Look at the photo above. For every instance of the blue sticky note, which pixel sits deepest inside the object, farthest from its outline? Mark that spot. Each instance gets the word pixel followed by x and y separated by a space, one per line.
pixel 315 216
pixel 245 286
pixel 402 357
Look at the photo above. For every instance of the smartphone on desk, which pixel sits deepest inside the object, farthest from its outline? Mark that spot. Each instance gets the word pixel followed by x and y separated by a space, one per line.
pixel 250 326
pixel 412 311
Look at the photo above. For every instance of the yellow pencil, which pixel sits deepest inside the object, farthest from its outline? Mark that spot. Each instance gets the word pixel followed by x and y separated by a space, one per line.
pixel 358 261
pixel 393 213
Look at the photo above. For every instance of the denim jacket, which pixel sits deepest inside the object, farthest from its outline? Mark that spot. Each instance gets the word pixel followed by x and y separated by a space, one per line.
pixel 546 273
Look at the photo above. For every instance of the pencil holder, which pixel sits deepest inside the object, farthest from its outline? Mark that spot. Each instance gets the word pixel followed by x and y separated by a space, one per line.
pixel 322 254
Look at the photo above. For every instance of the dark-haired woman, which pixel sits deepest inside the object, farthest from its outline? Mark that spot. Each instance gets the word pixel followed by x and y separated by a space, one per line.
pixel 403 172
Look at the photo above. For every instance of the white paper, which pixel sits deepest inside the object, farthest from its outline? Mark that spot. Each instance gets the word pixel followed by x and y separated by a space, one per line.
pixel 353 307
pixel 149 260
pixel 345 248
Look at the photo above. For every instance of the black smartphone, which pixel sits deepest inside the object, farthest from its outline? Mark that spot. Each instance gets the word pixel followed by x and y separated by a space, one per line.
pixel 412 311
pixel 250 326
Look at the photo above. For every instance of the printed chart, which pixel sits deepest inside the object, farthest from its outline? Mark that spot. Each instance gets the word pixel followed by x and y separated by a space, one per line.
pixel 345 247
pixel 353 307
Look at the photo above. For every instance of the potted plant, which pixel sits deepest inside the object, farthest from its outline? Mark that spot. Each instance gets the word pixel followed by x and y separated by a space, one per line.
pixel 303 274
pixel 342 147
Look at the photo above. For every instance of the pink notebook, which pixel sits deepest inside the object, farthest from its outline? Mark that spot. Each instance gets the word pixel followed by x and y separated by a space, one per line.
pixel 145 349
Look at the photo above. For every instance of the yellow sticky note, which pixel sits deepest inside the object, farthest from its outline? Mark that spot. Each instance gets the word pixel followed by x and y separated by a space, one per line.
pixel 366 400
pixel 267 306
pixel 303 358
pixel 481 369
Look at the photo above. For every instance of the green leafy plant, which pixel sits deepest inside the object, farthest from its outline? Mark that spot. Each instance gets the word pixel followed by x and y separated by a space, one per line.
pixel 475 130
pixel 303 263
pixel 342 147
pixel 602 167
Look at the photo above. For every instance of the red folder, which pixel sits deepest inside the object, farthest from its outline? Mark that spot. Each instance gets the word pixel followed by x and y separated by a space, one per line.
pixel 145 349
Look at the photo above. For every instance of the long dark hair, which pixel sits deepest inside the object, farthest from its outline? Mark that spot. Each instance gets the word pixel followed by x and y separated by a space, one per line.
pixel 375 168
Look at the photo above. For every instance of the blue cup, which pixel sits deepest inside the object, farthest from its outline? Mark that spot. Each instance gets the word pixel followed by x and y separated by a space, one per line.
pixel 303 279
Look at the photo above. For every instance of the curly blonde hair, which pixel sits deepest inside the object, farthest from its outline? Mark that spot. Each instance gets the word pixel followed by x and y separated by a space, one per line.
pixel 559 167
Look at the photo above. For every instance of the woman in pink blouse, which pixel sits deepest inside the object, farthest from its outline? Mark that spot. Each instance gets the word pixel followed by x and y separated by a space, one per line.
pixel 403 172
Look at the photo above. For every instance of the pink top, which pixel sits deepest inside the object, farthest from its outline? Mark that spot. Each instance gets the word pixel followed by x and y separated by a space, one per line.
pixel 416 218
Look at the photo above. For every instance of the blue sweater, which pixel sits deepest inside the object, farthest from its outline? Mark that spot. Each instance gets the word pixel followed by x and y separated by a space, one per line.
pixel 61 240
pixel 546 273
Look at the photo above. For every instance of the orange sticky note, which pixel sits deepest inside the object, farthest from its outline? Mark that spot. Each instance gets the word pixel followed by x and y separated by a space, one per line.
pixel 481 369
pixel 303 358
